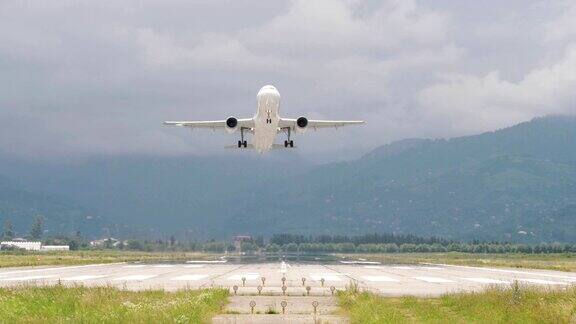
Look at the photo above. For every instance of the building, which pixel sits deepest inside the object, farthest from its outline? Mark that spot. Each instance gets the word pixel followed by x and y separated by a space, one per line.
pixel 29 246
pixel 106 242
pixel 55 248
pixel 32 246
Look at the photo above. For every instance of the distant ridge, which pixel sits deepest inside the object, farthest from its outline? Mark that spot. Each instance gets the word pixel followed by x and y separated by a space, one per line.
pixel 513 184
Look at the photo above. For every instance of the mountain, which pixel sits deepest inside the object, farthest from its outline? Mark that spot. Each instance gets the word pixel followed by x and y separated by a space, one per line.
pixel 59 214
pixel 515 184
pixel 149 196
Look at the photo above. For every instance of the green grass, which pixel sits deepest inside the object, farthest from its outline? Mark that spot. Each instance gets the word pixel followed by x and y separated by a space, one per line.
pixel 60 304
pixel 516 304
pixel 20 259
pixel 552 261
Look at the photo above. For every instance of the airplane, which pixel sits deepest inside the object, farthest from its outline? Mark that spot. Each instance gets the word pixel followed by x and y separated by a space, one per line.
pixel 265 124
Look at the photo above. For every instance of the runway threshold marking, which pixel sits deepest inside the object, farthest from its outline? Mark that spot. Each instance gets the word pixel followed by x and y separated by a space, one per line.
pixel 487 280
pixel 59 268
pixel 434 279
pixel 326 276
pixel 248 276
pixel 379 279
pixel 135 277
pixel 542 282
pixel 27 278
pixel 193 277
pixel 82 278
pixel 551 275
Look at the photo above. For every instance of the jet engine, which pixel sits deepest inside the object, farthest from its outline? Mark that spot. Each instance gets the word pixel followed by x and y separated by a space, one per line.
pixel 301 124
pixel 231 124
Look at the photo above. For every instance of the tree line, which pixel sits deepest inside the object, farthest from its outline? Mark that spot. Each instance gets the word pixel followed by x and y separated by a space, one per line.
pixel 296 243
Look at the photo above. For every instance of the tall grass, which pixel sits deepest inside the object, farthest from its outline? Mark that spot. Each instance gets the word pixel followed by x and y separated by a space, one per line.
pixel 516 304
pixel 60 304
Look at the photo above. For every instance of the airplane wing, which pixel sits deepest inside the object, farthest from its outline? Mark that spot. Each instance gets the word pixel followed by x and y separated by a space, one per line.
pixel 214 124
pixel 315 124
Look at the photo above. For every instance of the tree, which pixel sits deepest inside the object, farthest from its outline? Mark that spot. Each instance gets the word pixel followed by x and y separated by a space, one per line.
pixel 8 231
pixel 37 228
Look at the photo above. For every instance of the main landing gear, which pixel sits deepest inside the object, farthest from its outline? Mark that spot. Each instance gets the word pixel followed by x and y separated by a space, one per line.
pixel 288 143
pixel 242 142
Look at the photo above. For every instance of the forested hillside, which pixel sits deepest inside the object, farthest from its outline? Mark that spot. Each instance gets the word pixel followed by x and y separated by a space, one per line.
pixel 515 184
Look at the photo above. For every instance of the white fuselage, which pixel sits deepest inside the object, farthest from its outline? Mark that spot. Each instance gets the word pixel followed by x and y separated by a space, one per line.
pixel 266 118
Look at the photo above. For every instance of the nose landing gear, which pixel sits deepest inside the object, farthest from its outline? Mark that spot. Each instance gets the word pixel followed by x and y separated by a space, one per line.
pixel 288 143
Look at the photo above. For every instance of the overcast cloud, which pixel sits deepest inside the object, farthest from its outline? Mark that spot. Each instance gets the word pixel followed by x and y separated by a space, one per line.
pixel 82 78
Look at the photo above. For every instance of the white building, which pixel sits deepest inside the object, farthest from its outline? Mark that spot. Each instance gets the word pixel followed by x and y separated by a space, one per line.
pixel 55 248
pixel 30 246
pixel 33 246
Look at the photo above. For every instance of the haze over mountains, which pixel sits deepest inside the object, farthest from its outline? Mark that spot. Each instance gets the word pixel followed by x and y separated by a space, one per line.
pixel 514 184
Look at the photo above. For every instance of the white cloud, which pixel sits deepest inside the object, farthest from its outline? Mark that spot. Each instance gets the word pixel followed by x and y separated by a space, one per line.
pixel 471 103
pixel 564 27
pixel 122 67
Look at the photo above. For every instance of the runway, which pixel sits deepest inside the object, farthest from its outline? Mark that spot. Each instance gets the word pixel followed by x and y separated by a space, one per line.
pixel 388 280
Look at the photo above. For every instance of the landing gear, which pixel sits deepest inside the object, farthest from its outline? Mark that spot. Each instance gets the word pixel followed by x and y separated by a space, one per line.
pixel 289 142
pixel 242 142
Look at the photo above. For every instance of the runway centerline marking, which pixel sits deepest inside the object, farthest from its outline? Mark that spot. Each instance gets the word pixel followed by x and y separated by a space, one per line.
pixel 379 279
pixel 193 277
pixel 434 279
pixel 82 278
pixel 135 277
pixel 164 266
pixel 283 267
pixel 134 266
pixel 194 266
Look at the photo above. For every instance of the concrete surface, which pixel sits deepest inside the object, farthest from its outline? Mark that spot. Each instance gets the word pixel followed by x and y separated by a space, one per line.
pixel 389 280
pixel 298 309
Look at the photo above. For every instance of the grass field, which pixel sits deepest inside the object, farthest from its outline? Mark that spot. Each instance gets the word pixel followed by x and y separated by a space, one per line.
pixel 552 261
pixel 107 305
pixel 20 259
pixel 514 304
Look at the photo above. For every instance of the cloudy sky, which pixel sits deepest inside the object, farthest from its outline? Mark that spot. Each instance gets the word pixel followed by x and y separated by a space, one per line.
pixel 82 78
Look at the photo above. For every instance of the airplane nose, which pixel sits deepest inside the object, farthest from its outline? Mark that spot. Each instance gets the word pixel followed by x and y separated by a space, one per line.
pixel 268 89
